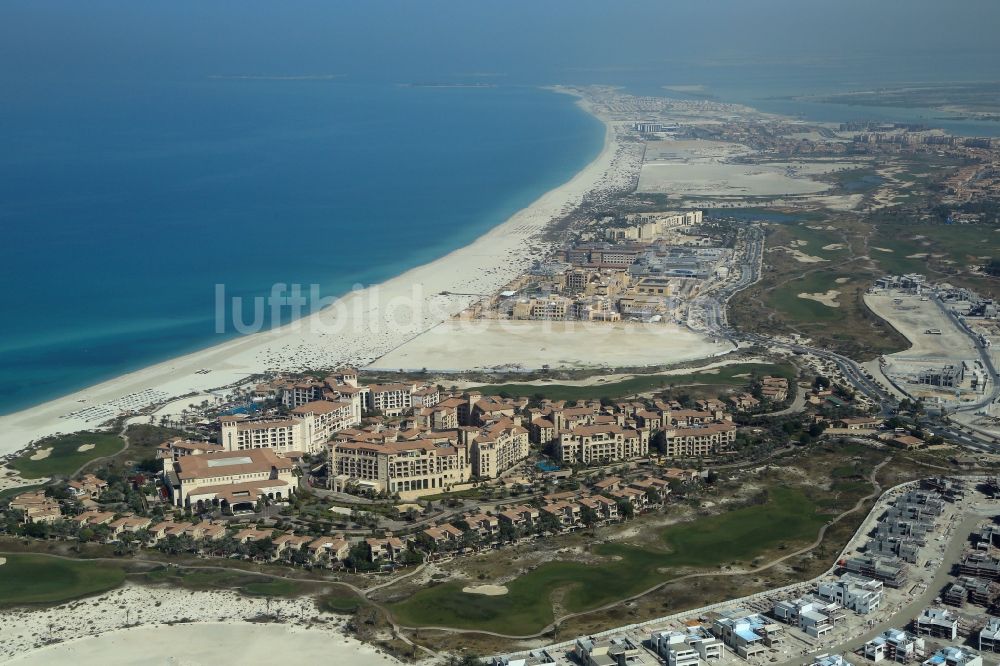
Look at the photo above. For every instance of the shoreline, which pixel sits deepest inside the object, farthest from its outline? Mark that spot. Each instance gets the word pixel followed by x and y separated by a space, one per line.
pixel 358 328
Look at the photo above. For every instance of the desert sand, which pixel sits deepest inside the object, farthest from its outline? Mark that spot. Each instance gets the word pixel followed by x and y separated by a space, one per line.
pixel 208 644
pixel 132 625
pixel 358 328
pixel 483 344
pixel 912 318
pixel 707 179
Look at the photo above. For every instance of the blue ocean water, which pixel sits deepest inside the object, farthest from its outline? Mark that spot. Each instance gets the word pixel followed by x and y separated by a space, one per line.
pixel 149 150
pixel 123 207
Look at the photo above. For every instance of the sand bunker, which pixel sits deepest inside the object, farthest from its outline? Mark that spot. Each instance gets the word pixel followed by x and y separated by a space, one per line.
pixel 487 590
pixel 834 246
pixel 41 454
pixel 882 249
pixel 918 255
pixel 86 447
pixel 800 256
pixel 843 280
pixel 3 561
pixel 829 298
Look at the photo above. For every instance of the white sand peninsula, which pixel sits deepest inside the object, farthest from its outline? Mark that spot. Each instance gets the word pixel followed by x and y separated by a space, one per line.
pixel 361 327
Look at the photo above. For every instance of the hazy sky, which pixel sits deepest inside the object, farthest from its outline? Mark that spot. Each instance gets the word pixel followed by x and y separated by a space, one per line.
pixel 527 41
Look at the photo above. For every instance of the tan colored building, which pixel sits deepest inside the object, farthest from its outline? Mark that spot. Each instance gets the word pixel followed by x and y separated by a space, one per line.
pixel 774 388
pixel 602 443
pixel 336 547
pixel 328 418
pixel 497 448
pixel 35 507
pixel 130 524
pixel 88 486
pixel 555 308
pixel 398 467
pixel 705 440
pixel 230 480
pixel 388 548
pixel 176 448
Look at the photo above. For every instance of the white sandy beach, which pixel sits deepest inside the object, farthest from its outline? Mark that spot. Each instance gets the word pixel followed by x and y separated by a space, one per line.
pixel 92 631
pixel 361 327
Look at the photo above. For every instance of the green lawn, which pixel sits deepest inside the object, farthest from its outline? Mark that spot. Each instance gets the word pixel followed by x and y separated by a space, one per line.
pixel 66 457
pixel 962 244
pixel 244 582
pixel 339 602
pixel 729 375
pixel 785 299
pixel 737 536
pixel 272 588
pixel 144 438
pixel 40 579
pixel 817 239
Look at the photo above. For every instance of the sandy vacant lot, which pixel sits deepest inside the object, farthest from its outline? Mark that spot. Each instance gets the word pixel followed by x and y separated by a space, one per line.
pixel 467 345
pixel 209 644
pixel 913 317
pixel 716 179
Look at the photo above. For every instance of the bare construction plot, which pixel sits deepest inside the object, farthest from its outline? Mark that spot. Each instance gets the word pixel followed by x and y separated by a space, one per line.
pixel 936 342
pixel 483 344
pixel 706 168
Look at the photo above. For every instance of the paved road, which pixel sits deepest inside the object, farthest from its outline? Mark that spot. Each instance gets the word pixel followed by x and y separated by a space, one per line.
pixel 984 356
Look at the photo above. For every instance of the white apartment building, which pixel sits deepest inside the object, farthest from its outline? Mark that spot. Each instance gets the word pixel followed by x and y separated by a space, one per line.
pixel 295 393
pixel 815 617
pixel 954 656
pixel 293 434
pixel 857 593
pixel 389 399
pixel 328 418
pixel 937 622
pixel 679 648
